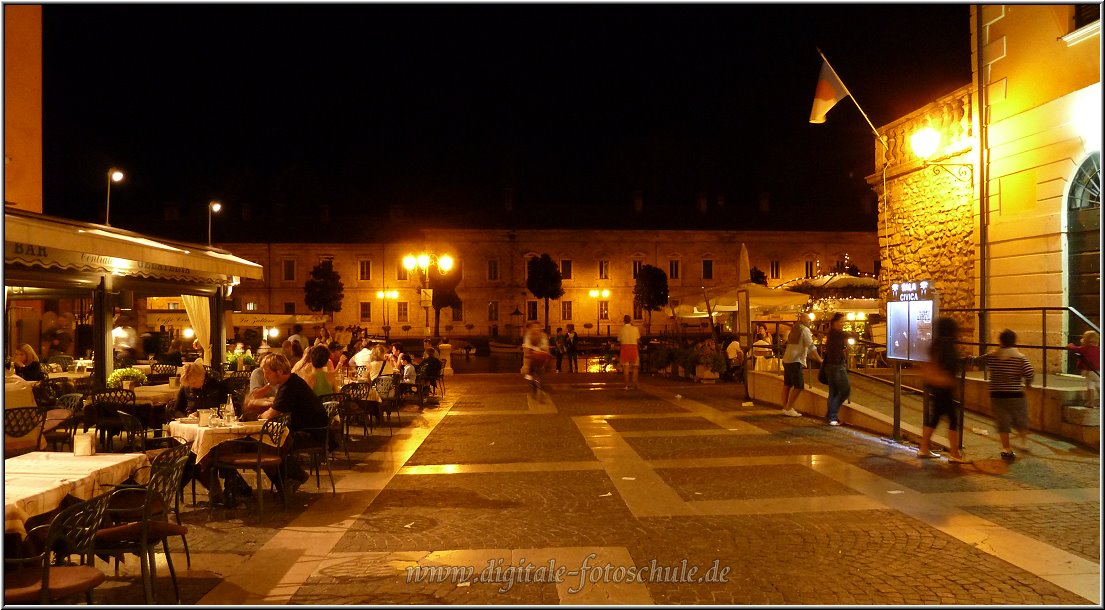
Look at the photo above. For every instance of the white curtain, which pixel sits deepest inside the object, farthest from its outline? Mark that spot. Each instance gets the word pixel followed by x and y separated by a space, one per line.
pixel 199 314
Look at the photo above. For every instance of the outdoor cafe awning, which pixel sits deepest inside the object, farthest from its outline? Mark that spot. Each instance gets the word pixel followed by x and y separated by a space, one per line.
pixel 47 242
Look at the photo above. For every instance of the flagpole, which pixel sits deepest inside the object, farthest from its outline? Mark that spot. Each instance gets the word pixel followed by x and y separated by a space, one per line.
pixel 878 136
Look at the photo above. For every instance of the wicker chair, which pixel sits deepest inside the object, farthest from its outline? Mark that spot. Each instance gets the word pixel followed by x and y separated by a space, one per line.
pixel 37 579
pixel 20 424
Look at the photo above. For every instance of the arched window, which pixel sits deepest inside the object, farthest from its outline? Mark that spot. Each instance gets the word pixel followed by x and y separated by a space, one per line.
pixel 1083 246
pixel 1085 189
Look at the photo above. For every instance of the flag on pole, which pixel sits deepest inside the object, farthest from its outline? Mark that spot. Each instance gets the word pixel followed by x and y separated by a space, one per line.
pixel 829 91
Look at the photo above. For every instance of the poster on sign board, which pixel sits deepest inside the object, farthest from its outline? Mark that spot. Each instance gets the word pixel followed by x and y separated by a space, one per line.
pixel 910 312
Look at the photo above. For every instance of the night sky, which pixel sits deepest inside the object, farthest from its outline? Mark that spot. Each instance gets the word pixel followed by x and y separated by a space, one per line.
pixel 438 108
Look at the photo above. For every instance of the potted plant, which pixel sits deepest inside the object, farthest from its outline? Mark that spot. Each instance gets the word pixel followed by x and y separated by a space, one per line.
pixel 710 367
pixel 661 358
pixel 406 327
pixel 118 376
pixel 232 360
pixel 686 359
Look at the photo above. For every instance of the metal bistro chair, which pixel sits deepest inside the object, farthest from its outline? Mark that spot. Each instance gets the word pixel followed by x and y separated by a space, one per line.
pixel 138 518
pixel 160 373
pixel 319 453
pixel 359 406
pixel 20 424
pixel 61 360
pixel 72 532
pixel 250 454
pixel 338 402
pixel 389 401
pixel 106 405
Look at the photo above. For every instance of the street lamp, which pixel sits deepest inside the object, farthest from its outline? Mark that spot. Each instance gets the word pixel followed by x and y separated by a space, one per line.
pixel 212 208
pixel 424 261
pixel 384 295
pixel 595 294
pixel 113 175
pixel 925 142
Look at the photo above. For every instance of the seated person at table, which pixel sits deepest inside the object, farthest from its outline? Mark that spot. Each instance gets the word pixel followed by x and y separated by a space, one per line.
pixel 431 364
pixel 409 374
pixel 260 395
pixel 315 372
pixel 197 390
pixel 338 359
pixel 304 409
pixel 380 364
pixel 173 356
pixel 27 364
pixel 361 354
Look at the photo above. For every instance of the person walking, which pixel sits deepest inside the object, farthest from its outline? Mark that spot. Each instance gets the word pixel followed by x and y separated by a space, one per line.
pixel 836 367
pixel 570 349
pixel 1089 364
pixel 629 357
pixel 1008 367
pixel 800 346
pixel 535 357
pixel 558 348
pixel 939 378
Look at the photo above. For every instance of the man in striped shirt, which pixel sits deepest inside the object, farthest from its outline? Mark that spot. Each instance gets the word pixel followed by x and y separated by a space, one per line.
pixel 1008 367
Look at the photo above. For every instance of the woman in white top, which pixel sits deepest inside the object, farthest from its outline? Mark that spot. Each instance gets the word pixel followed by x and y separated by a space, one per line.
pixel 629 357
pixel 535 356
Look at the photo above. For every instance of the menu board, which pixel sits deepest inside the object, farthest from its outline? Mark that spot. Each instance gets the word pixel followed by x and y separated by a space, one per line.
pixel 909 325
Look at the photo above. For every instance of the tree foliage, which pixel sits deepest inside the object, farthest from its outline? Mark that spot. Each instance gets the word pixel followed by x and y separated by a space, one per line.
pixel 445 294
pixel 650 293
pixel 758 276
pixel 544 281
pixel 324 290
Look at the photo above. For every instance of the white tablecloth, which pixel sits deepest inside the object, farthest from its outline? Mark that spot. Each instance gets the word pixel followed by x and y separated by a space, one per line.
pixel 35 483
pixel 67 375
pixel 155 394
pixel 17 393
pixel 204 438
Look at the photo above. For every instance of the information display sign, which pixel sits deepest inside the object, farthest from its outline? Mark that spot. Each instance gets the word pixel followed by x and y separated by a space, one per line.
pixel 910 312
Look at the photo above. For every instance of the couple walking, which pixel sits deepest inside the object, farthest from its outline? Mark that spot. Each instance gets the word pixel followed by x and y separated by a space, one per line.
pixel 834 366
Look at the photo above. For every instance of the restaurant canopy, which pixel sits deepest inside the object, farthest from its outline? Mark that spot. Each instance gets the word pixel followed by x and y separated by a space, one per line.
pixel 50 257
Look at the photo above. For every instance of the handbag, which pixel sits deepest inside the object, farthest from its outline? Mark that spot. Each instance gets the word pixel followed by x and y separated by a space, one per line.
pixel 822 376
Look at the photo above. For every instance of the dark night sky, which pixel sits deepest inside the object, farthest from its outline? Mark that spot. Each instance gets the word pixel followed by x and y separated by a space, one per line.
pixel 439 107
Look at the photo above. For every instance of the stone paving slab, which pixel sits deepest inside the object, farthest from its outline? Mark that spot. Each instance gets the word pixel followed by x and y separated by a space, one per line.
pixel 610 402
pixel 491 510
pixel 1074 526
pixel 491 402
pixel 683 447
pixel 862 557
pixel 632 424
pixel 479 439
pixel 750 482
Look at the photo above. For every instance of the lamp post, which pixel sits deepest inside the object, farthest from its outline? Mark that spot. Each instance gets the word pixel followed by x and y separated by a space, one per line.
pixel 424 261
pixel 384 295
pixel 113 175
pixel 212 208
pixel 595 294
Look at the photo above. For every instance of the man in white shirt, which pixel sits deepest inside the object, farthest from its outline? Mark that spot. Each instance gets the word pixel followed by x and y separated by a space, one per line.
pixel 296 337
pixel 799 345
pixel 629 357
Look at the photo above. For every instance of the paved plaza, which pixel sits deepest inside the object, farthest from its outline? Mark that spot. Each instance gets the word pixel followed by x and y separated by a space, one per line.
pixel 622 492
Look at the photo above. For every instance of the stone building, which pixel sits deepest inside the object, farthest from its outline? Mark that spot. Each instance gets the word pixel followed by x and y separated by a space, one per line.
pixel 1023 137
pixel 492 268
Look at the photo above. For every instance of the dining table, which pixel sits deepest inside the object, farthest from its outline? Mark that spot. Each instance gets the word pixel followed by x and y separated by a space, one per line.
pixel 205 438
pixel 36 483
pixel 156 394
pixel 18 393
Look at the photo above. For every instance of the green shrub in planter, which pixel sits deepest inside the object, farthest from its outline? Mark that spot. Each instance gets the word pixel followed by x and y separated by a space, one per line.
pixel 716 362
pixel 232 360
pixel 118 376
pixel 687 358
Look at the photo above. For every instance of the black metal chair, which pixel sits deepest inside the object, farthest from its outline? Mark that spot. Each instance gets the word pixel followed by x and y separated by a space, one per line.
pixel 106 405
pixel 20 424
pixel 37 579
pixel 61 360
pixel 340 401
pixel 236 386
pixel 139 518
pixel 160 373
pixel 360 405
pixel 319 454
pixel 251 454
pixel 62 434
pixel 386 387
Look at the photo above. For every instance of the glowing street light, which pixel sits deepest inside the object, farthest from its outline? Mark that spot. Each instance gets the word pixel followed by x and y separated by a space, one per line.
pixel 925 142
pixel 212 208
pixel 113 175
pixel 386 295
pixel 424 261
pixel 596 293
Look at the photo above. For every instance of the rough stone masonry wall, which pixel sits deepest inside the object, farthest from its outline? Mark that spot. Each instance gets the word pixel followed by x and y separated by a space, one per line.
pixel 927 232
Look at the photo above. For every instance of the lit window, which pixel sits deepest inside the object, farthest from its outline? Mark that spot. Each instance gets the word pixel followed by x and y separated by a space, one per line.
pixel 401 273
pixel 637 264
pixel 673 270
pixel 809 268
pixel 366 312
pixel 565 310
pixel 531 311
pixel 707 269
pixel 172 306
pixel 604 270
pixel 775 270
pixel 565 269
pixel 251 306
pixel 401 311
pixel 365 271
pixel 604 310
